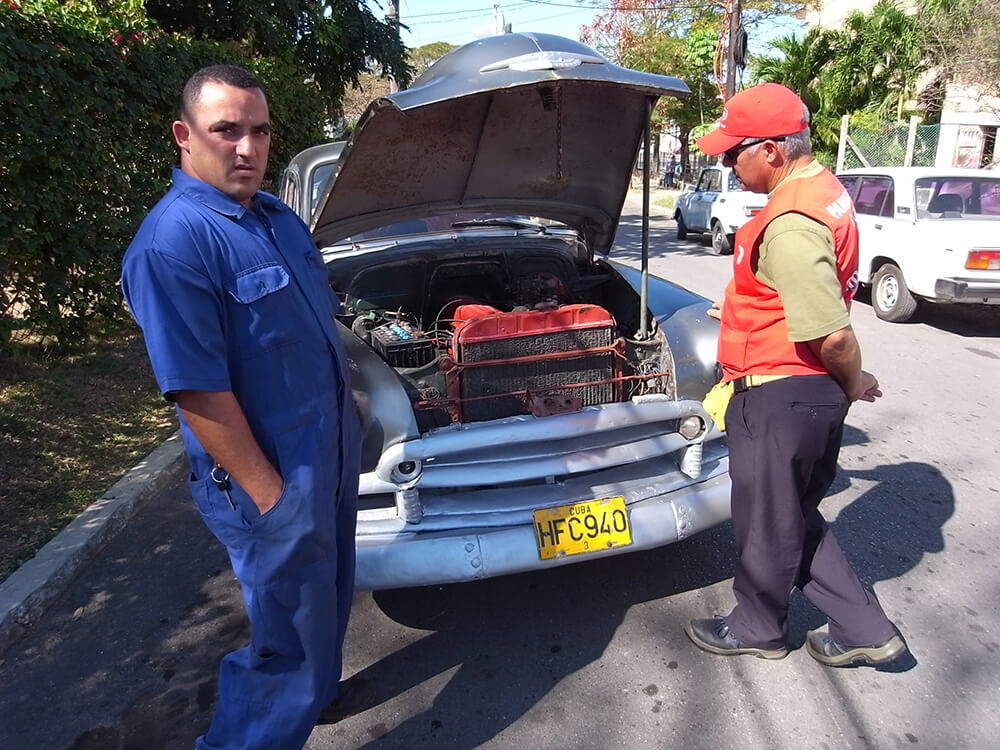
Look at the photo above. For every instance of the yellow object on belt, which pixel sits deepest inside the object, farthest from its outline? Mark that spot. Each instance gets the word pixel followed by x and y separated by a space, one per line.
pixel 717 400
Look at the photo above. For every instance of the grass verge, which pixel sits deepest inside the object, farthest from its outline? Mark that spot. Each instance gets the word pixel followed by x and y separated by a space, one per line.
pixel 70 427
pixel 666 201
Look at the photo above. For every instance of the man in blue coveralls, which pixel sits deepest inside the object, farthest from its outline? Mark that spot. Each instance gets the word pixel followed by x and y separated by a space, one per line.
pixel 238 317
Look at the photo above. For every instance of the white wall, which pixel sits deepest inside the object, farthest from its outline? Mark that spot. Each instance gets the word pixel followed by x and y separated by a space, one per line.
pixel 966 118
pixel 831 13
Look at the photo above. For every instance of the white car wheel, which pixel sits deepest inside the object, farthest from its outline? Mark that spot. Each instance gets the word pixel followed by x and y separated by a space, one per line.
pixel 890 297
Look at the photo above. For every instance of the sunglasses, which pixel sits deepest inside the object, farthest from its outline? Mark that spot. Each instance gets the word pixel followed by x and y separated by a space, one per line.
pixel 732 153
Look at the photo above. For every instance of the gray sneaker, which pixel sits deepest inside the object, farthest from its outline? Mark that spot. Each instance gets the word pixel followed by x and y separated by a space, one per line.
pixel 827 651
pixel 712 635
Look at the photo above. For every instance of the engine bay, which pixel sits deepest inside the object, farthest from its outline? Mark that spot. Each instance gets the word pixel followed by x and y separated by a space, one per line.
pixel 492 334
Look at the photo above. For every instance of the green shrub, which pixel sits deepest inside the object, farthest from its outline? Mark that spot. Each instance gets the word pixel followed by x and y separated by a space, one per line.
pixel 85 150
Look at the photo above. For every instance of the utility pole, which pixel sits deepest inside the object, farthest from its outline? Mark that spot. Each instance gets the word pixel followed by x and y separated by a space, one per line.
pixel 500 25
pixel 737 45
pixel 392 16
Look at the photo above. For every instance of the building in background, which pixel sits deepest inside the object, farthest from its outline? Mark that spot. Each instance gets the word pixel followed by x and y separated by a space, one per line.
pixel 831 14
pixel 970 118
pixel 969 123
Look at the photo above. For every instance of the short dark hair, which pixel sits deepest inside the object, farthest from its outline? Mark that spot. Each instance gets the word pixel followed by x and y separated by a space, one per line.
pixel 230 75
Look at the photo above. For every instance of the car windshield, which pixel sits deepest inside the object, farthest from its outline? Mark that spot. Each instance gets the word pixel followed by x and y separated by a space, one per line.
pixel 953 197
pixel 734 183
pixel 459 220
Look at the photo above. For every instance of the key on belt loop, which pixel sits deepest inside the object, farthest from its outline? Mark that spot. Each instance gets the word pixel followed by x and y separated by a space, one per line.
pixel 220 478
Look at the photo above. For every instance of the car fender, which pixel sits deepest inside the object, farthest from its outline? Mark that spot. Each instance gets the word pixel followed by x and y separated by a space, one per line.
pixel 691 333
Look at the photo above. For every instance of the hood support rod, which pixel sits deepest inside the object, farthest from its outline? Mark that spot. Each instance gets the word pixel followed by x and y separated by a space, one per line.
pixel 643 333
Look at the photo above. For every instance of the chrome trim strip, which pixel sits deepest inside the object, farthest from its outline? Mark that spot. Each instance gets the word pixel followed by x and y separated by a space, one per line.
pixel 525 447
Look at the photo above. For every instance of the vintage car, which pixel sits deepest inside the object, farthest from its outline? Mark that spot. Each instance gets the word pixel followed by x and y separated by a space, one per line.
pixel 926 233
pixel 527 403
pixel 718 204
pixel 307 176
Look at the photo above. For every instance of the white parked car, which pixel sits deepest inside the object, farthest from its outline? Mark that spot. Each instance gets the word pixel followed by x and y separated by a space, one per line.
pixel 926 233
pixel 718 204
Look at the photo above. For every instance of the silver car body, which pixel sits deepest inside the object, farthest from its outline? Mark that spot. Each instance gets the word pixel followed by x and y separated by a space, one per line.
pixel 493 186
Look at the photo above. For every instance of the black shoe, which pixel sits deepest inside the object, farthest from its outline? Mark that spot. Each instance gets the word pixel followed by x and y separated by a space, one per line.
pixel 353 696
pixel 827 651
pixel 713 635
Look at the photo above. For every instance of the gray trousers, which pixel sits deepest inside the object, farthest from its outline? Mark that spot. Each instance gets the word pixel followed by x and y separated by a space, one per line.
pixel 784 438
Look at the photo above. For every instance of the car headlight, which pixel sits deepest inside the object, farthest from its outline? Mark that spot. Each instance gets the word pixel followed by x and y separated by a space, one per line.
pixel 406 471
pixel 691 427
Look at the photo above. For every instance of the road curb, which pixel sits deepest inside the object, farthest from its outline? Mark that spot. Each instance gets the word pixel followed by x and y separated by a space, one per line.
pixel 26 594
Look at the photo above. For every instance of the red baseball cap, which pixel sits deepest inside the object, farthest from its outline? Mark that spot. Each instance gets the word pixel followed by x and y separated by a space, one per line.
pixel 763 111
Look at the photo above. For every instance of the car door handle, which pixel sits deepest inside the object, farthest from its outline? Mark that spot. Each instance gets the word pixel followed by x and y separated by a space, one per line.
pixel 878 226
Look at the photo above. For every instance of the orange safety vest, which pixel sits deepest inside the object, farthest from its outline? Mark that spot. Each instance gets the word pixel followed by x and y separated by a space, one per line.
pixel 753 337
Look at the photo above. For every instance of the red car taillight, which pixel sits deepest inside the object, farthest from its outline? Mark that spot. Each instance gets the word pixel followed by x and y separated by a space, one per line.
pixel 983 260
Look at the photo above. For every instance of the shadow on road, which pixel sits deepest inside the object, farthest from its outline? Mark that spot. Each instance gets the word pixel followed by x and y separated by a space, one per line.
pixel 662 240
pixel 971 320
pixel 888 529
pixel 131 652
pixel 511 639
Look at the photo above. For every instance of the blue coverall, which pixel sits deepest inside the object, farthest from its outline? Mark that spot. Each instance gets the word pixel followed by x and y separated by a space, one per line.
pixel 231 299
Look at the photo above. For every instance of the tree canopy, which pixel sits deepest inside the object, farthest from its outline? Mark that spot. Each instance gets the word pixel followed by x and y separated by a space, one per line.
pixel 680 38
pixel 961 37
pixel 371 86
pixel 89 89
pixel 335 41
pixel 870 66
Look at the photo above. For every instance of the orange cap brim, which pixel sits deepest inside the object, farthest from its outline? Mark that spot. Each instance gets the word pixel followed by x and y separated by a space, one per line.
pixel 717 141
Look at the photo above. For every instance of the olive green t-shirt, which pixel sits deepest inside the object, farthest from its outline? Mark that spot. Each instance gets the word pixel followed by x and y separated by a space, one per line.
pixel 797 259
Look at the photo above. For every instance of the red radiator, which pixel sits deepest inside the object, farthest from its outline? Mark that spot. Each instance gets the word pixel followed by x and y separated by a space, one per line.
pixel 533 362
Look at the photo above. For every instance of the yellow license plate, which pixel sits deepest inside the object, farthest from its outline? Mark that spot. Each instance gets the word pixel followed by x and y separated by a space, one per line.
pixel 582 527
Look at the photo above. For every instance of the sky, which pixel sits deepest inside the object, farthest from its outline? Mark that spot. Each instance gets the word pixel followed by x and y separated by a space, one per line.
pixel 462 21
pixel 459 22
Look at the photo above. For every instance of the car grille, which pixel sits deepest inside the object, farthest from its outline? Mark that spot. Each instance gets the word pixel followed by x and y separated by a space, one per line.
pixel 536 362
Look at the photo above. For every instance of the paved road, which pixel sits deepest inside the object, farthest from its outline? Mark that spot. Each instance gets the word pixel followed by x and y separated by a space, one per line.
pixel 592 656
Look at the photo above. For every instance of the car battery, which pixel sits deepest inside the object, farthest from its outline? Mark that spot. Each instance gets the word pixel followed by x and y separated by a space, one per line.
pixel 402 345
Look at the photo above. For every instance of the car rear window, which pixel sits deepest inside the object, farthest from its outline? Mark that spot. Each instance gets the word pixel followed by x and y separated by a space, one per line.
pixel 849 181
pixel 711 180
pixel 875 196
pixel 950 197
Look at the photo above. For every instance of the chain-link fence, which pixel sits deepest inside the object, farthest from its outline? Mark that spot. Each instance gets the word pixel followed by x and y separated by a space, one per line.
pixel 888 144
pixel 892 144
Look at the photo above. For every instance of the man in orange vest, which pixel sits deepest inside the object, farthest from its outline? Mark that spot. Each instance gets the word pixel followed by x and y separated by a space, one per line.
pixel 794 366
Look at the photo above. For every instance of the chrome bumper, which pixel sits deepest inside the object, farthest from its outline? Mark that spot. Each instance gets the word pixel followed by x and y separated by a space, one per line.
pixel 967 290
pixel 660 512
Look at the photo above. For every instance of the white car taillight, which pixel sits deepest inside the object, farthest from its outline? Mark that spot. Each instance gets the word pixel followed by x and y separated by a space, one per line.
pixel 983 260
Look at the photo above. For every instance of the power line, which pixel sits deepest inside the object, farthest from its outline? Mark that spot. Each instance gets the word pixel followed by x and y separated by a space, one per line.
pixel 550 3
pixel 476 12
pixel 604 8
pixel 421 30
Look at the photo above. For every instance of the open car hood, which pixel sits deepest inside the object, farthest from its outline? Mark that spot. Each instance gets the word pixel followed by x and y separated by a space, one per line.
pixel 528 124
